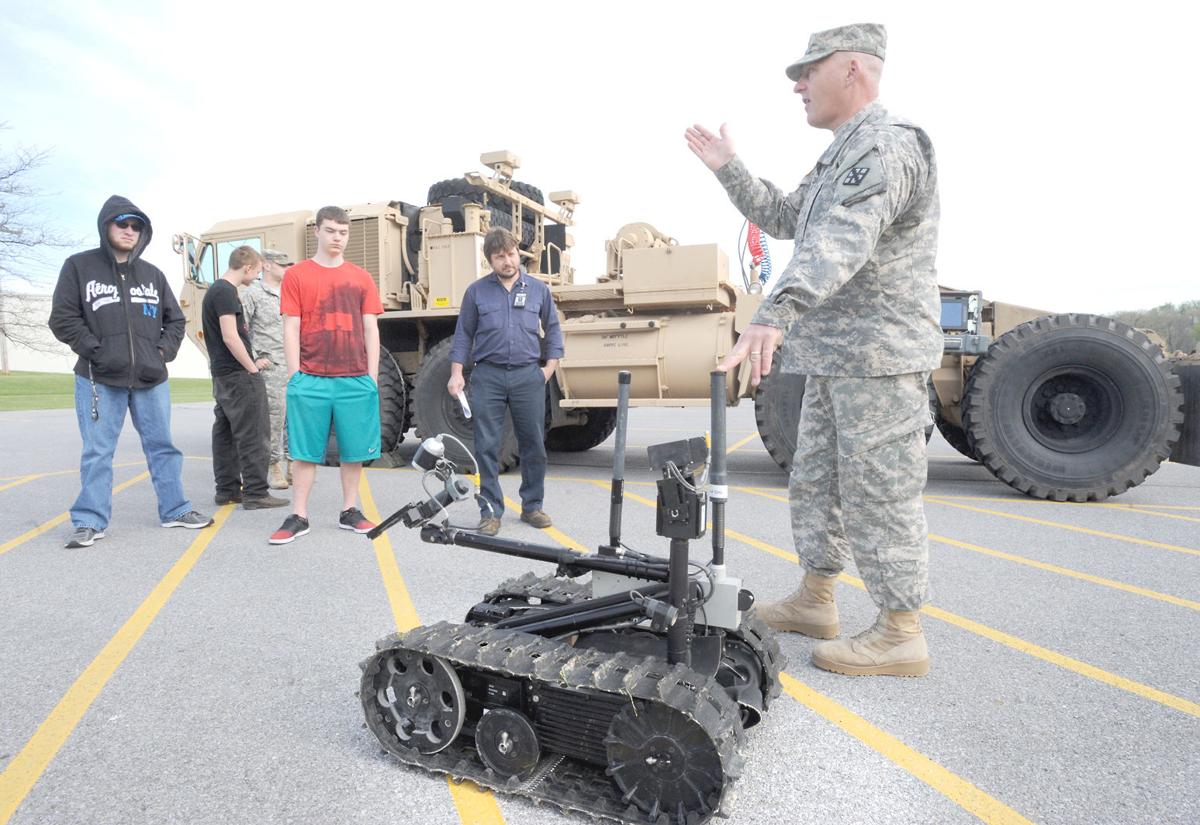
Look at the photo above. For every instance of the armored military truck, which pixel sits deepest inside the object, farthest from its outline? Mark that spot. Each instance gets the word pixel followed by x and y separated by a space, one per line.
pixel 1073 406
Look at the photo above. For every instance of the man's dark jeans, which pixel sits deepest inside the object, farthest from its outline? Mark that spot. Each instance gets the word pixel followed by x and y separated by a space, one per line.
pixel 240 435
pixel 520 391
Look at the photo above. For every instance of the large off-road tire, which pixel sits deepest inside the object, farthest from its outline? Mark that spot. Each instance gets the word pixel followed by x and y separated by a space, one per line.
pixel 435 411
pixel 1187 449
pixel 955 436
pixel 501 208
pixel 933 410
pixel 393 405
pixel 777 412
pixel 460 187
pixel 1072 408
pixel 576 438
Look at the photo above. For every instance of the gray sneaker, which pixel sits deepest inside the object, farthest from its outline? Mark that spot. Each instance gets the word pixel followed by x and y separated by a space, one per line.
pixel 84 537
pixel 264 503
pixel 191 520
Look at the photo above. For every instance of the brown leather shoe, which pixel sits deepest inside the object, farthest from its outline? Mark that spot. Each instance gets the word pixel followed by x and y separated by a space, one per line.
pixel 537 518
pixel 488 526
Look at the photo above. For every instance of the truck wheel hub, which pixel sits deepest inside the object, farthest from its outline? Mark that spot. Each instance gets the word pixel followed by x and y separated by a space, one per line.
pixel 1068 408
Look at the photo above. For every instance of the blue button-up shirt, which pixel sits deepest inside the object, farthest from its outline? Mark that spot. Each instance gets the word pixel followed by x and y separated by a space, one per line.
pixel 494 327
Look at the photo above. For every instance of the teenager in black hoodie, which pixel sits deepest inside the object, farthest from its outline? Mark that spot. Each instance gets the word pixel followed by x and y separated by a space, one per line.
pixel 119 316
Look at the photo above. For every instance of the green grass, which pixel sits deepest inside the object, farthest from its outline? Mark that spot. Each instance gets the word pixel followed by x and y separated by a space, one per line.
pixel 56 391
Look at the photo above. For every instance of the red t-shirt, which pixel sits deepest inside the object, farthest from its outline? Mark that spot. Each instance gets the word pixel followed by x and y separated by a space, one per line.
pixel 330 302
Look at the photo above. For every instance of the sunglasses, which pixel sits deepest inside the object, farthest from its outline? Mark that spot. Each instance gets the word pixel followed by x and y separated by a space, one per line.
pixel 134 225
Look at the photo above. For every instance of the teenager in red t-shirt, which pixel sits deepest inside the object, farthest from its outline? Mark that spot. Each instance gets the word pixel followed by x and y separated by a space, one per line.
pixel 331 340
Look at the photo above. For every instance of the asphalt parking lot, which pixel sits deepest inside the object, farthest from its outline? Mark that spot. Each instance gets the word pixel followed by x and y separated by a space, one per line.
pixel 174 676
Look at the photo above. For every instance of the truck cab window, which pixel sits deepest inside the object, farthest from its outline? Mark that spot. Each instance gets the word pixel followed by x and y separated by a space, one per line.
pixel 224 248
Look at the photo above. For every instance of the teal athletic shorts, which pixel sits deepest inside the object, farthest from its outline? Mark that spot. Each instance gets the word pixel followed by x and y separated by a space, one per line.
pixel 351 403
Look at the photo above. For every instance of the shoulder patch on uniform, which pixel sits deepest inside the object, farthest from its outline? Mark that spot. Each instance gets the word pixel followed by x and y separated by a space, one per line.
pixel 856 176
pixel 860 177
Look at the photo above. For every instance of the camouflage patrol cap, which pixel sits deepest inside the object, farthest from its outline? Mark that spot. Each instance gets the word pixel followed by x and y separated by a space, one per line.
pixel 277 257
pixel 868 38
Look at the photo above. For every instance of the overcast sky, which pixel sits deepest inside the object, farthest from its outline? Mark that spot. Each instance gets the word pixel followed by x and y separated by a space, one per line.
pixel 1063 132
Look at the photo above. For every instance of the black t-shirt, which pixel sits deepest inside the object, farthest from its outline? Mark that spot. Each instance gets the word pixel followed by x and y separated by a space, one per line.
pixel 222 299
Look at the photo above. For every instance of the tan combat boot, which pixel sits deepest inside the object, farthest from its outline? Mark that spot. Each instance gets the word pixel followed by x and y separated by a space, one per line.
pixel 276 476
pixel 810 610
pixel 893 646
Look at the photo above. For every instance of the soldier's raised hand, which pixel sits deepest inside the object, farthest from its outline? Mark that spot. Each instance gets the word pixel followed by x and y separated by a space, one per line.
pixel 715 151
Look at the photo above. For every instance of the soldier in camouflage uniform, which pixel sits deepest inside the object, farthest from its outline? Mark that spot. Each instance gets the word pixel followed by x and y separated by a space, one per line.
pixel 857 309
pixel 260 306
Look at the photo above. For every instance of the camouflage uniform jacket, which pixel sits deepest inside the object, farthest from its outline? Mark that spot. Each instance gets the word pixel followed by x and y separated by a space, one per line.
pixel 859 296
pixel 260 305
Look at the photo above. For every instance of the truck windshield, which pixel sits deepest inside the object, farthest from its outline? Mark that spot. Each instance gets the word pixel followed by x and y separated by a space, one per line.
pixel 224 248
pixel 200 262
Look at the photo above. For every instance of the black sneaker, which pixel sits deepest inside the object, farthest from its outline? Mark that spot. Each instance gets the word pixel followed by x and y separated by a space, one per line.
pixel 353 519
pixel 84 537
pixel 293 527
pixel 191 520
pixel 230 498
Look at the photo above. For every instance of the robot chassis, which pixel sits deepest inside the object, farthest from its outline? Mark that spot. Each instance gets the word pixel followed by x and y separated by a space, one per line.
pixel 626 697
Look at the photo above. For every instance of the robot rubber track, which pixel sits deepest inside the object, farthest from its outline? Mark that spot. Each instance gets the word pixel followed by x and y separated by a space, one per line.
pixel 643 683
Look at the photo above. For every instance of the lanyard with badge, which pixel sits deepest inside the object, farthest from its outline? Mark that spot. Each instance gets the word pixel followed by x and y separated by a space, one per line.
pixel 519 298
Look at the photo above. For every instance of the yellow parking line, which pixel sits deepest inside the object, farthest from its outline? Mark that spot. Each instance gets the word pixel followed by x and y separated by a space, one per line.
pixel 1052 568
pixel 602 482
pixel 475 806
pixel 758 491
pixel 1144 509
pixel 27 766
pixel 1076 666
pixel 403 610
pixel 1066 571
pixel 951 785
pixel 23 480
pixel 1018 644
pixel 34 476
pixel 1135 509
pixel 738 444
pixel 1174 548
pixel 553 532
pixel 60 518
pixel 943 501
pixel 1021 499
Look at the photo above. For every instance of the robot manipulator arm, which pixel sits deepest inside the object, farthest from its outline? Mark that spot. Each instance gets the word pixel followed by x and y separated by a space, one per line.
pixel 431 459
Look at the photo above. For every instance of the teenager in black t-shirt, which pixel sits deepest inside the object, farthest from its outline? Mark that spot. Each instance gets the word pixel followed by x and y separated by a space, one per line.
pixel 241 431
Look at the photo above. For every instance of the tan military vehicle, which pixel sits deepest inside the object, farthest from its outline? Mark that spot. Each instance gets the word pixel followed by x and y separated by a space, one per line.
pixel 1066 407
pixel 1017 395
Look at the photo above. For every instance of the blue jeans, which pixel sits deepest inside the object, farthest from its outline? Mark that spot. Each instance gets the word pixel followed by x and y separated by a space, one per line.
pixel 520 392
pixel 150 409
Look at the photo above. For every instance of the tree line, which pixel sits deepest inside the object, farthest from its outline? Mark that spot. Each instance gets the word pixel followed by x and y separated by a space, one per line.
pixel 1178 324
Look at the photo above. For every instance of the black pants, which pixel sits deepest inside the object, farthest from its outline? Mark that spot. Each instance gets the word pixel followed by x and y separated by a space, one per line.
pixel 240 435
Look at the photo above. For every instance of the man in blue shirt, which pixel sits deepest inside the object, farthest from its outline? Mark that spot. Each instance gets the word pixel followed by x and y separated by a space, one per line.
pixel 497 329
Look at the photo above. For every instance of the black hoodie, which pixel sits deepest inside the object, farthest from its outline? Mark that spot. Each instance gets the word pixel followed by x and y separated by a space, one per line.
pixel 121 319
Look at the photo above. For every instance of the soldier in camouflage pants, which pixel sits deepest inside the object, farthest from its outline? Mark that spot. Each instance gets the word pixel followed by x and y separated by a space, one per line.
pixel 260 306
pixel 858 311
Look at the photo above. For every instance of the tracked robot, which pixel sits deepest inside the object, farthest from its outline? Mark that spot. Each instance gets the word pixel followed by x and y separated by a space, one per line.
pixel 626 696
